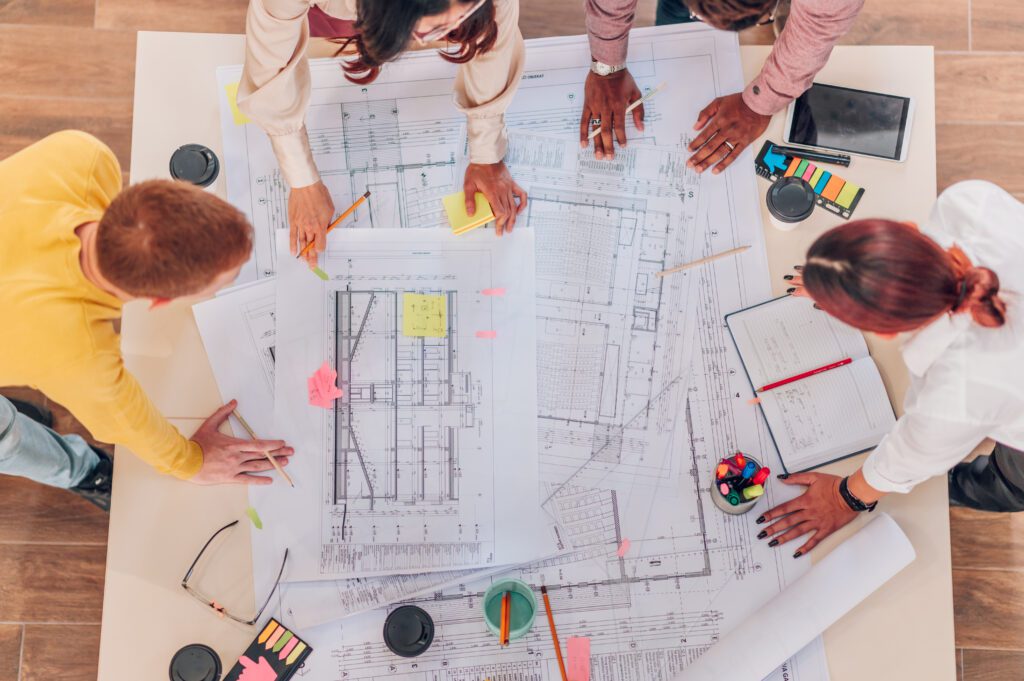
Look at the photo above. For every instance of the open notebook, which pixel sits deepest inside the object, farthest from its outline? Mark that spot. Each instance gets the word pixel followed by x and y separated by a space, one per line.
pixel 824 417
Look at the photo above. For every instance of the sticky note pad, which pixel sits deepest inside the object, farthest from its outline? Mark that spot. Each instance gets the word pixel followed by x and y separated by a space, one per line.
pixel 424 316
pixel 239 117
pixel 578 667
pixel 847 194
pixel 792 167
pixel 831 190
pixel 818 172
pixel 460 220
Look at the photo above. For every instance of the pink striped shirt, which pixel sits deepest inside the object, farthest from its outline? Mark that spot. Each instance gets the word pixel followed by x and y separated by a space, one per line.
pixel 813 28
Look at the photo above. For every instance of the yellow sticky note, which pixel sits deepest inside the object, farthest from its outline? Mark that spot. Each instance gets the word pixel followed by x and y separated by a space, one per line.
pixel 461 221
pixel 232 90
pixel 424 316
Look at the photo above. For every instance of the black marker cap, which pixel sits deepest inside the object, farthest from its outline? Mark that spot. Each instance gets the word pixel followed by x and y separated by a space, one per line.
pixel 195 662
pixel 408 631
pixel 791 199
pixel 196 164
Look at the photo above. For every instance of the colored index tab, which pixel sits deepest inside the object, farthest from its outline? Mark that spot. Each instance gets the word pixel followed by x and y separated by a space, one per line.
pixel 793 165
pixel 579 658
pixel 487 334
pixel 254 517
pixel 847 194
pixel 295 653
pixel 282 641
pixel 818 172
pixel 831 190
pixel 822 181
pixel 493 292
pixel 623 548
pixel 272 641
pixel 424 316
pixel 809 171
pixel 267 631
pixel 801 168
pixel 320 273
pixel 232 91
pixel 287 650
pixel 459 219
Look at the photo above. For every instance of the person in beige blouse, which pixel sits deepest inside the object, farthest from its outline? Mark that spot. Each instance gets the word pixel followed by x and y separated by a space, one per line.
pixel 482 36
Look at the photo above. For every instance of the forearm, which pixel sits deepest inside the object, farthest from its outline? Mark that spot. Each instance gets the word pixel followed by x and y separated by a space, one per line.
pixel 861 489
pixel 608 26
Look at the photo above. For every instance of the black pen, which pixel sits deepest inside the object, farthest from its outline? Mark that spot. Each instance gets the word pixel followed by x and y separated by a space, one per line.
pixel 815 155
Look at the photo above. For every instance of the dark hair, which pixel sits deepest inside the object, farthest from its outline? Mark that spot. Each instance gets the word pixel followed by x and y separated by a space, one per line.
pixel 384 28
pixel 730 15
pixel 888 277
pixel 168 239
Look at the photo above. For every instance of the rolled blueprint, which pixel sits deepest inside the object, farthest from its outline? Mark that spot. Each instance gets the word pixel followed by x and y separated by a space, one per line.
pixel 811 604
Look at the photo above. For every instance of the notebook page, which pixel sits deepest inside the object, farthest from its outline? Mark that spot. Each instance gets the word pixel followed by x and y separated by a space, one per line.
pixel 829 415
pixel 788 336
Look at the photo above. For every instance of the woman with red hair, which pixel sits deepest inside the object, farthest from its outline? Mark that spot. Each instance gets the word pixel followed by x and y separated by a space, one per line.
pixel 951 290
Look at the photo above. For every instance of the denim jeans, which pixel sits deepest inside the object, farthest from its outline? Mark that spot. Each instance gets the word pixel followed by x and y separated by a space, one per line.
pixel 31 450
pixel 672 12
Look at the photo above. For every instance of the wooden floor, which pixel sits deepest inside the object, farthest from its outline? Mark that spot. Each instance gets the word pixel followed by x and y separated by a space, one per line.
pixel 70 63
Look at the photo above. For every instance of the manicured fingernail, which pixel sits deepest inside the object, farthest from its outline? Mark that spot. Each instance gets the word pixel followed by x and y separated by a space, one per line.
pixel 798 554
pixel 788 277
pixel 790 290
pixel 760 519
pixel 762 534
pixel 782 476
pixel 773 542
pixel 798 268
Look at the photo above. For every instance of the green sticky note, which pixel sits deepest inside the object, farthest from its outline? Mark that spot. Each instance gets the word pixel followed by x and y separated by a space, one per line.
pixel 254 517
pixel 424 315
pixel 320 273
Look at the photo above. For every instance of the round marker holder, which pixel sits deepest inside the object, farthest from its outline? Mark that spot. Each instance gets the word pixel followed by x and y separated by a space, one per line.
pixel 790 200
pixel 523 605
pixel 723 501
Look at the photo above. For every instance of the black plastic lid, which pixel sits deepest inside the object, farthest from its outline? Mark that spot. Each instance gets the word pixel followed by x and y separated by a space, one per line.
pixel 791 199
pixel 195 662
pixel 408 631
pixel 196 164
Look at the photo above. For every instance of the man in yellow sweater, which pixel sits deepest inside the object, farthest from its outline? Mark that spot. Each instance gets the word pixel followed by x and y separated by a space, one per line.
pixel 73 249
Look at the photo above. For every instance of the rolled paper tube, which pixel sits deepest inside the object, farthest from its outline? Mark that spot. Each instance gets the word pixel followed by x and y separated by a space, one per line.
pixel 831 588
pixel 752 492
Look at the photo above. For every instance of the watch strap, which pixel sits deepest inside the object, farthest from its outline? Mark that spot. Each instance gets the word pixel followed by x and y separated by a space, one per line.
pixel 602 69
pixel 851 499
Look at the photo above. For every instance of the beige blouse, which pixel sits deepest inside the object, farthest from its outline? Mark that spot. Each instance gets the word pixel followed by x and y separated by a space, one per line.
pixel 275 86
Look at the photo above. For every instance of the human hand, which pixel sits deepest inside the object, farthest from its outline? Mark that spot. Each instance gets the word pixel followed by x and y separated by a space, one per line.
pixel 495 182
pixel 728 126
pixel 606 98
pixel 228 459
pixel 310 210
pixel 795 281
pixel 819 510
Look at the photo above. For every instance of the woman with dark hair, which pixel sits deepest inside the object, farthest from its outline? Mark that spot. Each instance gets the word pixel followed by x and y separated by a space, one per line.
pixel 481 36
pixel 729 123
pixel 952 289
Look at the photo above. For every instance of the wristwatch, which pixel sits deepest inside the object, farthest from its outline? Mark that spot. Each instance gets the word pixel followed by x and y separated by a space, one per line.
pixel 852 501
pixel 602 69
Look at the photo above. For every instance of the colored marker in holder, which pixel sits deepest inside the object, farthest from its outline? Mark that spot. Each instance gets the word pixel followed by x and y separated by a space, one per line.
pixel 833 192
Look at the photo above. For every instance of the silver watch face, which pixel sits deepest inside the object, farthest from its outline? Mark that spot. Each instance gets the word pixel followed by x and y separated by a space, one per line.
pixel 602 69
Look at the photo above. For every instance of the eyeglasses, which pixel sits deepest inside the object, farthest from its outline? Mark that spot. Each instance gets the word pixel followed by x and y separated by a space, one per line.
pixel 214 605
pixel 746 23
pixel 442 31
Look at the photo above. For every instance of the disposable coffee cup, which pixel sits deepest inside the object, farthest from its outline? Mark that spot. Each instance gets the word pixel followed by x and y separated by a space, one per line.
pixel 790 201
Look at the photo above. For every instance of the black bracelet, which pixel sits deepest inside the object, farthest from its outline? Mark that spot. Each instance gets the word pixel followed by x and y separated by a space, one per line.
pixel 852 501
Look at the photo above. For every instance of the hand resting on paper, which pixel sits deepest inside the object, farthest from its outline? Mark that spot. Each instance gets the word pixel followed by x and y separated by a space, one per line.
pixel 228 459
pixel 495 182
pixel 820 510
pixel 605 98
pixel 727 126
pixel 310 210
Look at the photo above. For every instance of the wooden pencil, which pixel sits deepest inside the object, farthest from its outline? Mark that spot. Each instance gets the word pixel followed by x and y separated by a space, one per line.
pixel 554 633
pixel 271 459
pixel 710 258
pixel 506 608
pixel 351 209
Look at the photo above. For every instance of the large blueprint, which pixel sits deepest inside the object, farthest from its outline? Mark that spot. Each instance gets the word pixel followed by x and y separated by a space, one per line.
pixel 637 414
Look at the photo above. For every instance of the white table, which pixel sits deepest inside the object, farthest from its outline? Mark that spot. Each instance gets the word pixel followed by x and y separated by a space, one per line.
pixel 157 523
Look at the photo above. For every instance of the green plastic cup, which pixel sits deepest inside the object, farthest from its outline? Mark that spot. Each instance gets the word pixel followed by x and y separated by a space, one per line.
pixel 523 605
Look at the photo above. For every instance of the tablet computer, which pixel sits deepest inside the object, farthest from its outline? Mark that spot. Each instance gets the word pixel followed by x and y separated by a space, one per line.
pixel 853 121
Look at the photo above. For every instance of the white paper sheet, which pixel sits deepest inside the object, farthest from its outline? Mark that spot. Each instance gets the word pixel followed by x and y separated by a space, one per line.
pixel 429 460
pixel 808 606
pixel 691 573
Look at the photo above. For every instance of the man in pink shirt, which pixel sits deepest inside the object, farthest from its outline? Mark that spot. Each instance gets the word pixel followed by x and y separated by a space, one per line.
pixel 729 123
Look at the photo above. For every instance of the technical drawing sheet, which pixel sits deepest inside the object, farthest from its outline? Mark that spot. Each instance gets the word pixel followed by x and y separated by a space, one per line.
pixel 428 461
pixel 689 573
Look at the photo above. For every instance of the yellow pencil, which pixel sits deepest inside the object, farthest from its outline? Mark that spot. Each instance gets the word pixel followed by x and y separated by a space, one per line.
pixel 597 131
pixel 351 209
pixel 270 458
pixel 695 263
pixel 554 633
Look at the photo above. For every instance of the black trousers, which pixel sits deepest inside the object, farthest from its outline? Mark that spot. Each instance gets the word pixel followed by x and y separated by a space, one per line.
pixel 990 483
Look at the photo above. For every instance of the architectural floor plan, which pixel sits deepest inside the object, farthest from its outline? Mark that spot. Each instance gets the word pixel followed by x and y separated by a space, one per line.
pixel 435 432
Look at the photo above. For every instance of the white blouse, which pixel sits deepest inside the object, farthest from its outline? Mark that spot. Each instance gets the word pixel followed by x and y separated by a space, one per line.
pixel 967 381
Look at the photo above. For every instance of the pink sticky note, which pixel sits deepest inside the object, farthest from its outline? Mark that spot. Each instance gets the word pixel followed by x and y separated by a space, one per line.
pixel 756 400
pixel 579 658
pixel 322 388
pixel 493 292
pixel 486 334
pixel 253 671
pixel 623 548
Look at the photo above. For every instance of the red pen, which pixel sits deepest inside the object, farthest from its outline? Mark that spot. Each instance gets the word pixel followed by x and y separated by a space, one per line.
pixel 806 374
